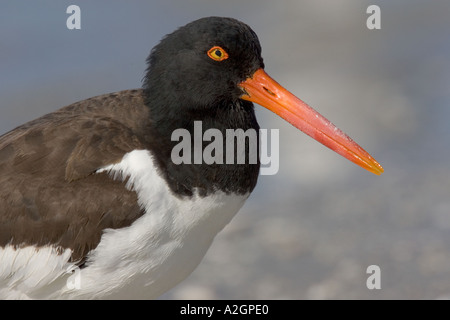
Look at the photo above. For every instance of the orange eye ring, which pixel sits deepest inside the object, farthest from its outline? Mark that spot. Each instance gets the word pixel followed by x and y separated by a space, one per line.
pixel 217 53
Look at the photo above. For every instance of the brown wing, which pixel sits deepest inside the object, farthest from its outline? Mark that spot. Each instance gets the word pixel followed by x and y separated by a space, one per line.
pixel 49 191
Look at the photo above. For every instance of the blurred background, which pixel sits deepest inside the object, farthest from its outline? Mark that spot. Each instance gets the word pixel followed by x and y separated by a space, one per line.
pixel 310 231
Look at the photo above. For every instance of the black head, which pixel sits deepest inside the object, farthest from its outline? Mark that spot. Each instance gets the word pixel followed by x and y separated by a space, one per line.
pixel 194 74
pixel 183 66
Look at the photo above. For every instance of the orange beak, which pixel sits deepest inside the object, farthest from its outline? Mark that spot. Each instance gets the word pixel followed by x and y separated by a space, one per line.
pixel 263 90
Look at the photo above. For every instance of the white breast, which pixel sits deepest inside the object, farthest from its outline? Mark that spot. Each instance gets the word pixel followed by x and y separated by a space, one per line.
pixel 159 249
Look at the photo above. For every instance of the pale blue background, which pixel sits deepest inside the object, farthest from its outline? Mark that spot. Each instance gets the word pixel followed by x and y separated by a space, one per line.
pixel 310 231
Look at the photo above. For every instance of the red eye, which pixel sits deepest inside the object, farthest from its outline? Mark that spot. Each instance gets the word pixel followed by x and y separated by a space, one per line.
pixel 217 53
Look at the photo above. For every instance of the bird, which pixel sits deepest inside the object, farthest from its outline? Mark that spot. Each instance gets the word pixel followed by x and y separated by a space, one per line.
pixel 92 205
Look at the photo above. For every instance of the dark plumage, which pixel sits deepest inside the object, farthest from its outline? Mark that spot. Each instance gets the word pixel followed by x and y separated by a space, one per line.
pixel 48 192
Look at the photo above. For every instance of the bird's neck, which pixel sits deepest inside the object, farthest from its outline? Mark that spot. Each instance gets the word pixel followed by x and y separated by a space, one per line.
pixel 173 121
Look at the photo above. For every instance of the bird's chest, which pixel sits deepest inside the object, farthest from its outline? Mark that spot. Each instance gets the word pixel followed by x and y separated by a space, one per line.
pixel 164 245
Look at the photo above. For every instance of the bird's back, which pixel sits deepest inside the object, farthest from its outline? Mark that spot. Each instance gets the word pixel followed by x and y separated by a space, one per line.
pixel 50 196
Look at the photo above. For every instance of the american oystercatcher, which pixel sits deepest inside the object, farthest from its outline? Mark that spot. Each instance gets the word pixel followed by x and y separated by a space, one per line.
pixel 91 203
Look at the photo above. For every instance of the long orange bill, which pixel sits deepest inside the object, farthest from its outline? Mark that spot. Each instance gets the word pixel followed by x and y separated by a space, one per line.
pixel 263 90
